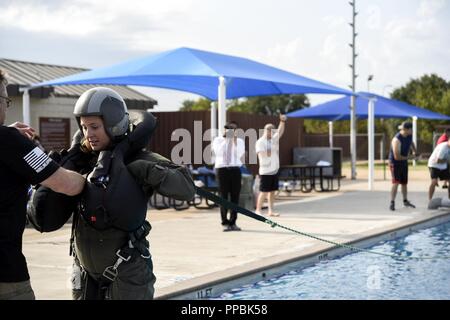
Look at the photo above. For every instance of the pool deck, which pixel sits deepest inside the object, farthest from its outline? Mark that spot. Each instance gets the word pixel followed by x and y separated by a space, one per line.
pixel 193 258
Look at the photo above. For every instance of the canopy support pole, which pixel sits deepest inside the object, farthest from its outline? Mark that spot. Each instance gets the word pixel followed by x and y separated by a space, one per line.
pixel 26 106
pixel 371 136
pixel 330 133
pixel 222 109
pixel 353 135
pixel 414 135
pixel 213 120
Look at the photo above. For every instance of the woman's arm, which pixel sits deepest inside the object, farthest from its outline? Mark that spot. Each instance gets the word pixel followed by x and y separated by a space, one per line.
pixel 158 173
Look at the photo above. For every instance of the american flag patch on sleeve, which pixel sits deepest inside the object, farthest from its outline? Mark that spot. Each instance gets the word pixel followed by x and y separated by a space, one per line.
pixel 37 159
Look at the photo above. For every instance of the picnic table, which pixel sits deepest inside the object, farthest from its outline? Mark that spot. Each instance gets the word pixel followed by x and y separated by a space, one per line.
pixel 310 177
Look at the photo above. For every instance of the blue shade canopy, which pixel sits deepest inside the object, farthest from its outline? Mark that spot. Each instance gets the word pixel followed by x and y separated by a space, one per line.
pixel 339 109
pixel 198 71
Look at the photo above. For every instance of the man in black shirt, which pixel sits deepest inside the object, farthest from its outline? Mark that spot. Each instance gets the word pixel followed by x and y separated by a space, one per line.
pixel 22 163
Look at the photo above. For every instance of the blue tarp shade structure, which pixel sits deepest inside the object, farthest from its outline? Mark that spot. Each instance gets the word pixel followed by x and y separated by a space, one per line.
pixel 339 109
pixel 198 72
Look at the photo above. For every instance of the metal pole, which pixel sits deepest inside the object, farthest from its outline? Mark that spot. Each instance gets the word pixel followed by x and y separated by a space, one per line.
pixel 353 87
pixel 382 155
pixel 26 106
pixel 213 120
pixel 371 134
pixel 330 133
pixel 222 109
pixel 414 135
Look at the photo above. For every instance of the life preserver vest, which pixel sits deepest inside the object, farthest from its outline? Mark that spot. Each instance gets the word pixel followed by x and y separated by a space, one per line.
pixel 112 198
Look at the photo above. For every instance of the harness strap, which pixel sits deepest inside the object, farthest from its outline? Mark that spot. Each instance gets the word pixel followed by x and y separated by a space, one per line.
pixel 137 242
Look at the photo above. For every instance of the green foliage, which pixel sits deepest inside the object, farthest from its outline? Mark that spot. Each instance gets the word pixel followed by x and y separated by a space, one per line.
pixel 430 92
pixel 192 105
pixel 266 105
pixel 271 105
pixel 321 126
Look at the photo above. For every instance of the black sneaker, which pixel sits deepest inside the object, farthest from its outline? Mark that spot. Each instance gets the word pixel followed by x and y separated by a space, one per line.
pixel 406 203
pixel 392 206
pixel 235 228
pixel 227 228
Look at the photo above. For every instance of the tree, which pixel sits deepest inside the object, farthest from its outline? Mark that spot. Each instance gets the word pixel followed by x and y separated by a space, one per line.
pixel 430 92
pixel 196 105
pixel 271 105
pixel 266 105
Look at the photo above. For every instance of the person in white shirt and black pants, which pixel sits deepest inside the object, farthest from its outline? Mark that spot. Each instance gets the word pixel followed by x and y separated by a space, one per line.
pixel 267 148
pixel 229 153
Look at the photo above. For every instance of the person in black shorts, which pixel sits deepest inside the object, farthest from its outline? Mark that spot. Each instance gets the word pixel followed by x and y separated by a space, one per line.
pixel 401 146
pixel 22 163
pixel 267 149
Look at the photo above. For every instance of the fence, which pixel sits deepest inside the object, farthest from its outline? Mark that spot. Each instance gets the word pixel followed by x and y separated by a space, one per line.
pixel 166 139
pixel 382 144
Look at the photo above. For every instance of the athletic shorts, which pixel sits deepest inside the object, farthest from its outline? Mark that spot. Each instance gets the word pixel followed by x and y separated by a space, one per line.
pixel 399 172
pixel 268 183
pixel 439 174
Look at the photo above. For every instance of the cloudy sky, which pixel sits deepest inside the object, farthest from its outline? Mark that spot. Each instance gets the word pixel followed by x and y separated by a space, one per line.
pixel 398 39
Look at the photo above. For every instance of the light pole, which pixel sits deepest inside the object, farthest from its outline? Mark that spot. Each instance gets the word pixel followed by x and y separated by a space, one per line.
pixel 353 87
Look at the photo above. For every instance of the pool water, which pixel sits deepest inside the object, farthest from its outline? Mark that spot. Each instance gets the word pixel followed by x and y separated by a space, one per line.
pixel 367 276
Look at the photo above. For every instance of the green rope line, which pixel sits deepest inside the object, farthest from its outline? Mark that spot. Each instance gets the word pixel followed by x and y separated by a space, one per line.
pixel 274 224
pixel 232 206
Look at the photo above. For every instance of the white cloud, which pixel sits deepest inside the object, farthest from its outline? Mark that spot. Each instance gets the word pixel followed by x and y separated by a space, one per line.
pixel 373 20
pixel 329 48
pixel 69 20
pixel 83 17
pixel 412 29
pixel 429 8
pixel 286 54
pixel 334 22
pixel 407 47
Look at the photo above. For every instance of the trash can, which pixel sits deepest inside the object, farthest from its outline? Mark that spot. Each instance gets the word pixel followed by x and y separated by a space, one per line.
pixel 246 198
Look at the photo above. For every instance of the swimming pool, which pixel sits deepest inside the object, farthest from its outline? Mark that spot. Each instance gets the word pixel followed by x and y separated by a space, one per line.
pixel 367 276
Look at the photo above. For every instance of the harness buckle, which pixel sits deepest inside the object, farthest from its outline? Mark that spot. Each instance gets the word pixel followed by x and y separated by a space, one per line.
pixel 121 257
pixel 110 273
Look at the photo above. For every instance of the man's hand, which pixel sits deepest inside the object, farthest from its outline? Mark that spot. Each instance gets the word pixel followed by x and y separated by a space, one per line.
pixel 413 156
pixel 281 126
pixel 24 129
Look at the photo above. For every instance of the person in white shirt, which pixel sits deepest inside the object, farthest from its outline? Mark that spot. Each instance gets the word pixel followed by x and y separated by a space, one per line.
pixel 229 151
pixel 267 149
pixel 438 166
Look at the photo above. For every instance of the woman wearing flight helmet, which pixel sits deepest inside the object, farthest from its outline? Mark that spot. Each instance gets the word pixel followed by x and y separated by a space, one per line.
pixel 111 254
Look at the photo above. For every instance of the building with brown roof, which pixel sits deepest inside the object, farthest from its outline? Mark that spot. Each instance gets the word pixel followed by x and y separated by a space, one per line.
pixel 51 107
